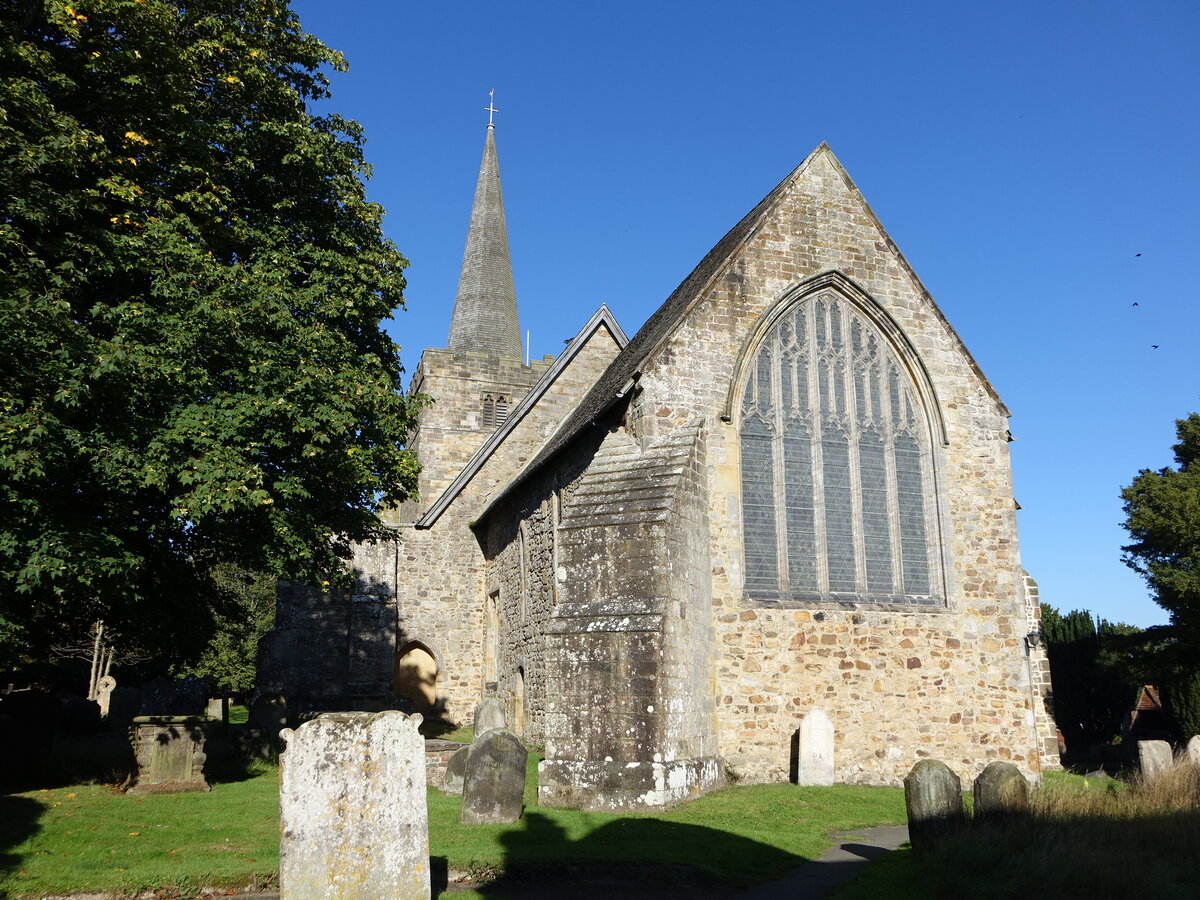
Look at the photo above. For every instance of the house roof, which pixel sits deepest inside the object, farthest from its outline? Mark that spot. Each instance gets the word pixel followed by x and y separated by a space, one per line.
pixel 602 317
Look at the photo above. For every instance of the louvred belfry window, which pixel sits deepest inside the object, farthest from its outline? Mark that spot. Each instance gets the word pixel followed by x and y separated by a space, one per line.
pixel 837 470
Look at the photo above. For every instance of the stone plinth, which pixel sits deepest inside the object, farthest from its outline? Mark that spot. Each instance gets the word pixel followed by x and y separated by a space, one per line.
pixel 352 805
pixel 170 754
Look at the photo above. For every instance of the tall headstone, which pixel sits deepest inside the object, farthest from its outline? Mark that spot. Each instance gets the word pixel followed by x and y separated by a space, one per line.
pixel 815 751
pixel 933 798
pixel 1000 790
pixel 1154 757
pixel 489 714
pixel 352 804
pixel 494 785
pixel 1193 750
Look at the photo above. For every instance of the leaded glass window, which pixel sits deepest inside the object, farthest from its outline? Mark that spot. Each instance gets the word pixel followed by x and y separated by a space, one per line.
pixel 837 475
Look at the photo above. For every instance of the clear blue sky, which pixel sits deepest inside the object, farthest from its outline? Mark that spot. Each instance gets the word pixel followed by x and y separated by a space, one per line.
pixel 1021 155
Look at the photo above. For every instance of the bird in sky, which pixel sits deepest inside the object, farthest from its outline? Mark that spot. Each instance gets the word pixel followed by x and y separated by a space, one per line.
pixel 1154 346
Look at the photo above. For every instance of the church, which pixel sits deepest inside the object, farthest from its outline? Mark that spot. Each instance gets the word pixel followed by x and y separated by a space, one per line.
pixel 787 495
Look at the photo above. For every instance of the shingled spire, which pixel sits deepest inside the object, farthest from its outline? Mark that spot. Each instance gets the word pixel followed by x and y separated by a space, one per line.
pixel 485 307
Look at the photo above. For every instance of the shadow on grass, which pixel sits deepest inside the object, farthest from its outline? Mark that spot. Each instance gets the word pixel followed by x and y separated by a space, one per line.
pixel 18 822
pixel 1080 858
pixel 629 858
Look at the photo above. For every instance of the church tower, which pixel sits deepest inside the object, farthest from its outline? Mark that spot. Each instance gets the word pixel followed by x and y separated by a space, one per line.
pixel 480 376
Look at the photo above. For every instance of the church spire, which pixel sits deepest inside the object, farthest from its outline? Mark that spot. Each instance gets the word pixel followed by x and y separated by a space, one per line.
pixel 485 307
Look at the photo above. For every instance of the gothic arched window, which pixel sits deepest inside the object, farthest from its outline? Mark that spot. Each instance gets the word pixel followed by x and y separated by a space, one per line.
pixel 837 468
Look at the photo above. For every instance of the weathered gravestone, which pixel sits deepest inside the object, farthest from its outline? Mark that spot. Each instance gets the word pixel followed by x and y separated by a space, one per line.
pixel 170 754
pixel 269 714
pixel 456 771
pixel 352 803
pixel 933 798
pixel 1155 758
pixel 1000 791
pixel 815 749
pixel 494 783
pixel 174 697
pixel 1193 750
pixel 123 705
pixel 489 714
pixel 218 708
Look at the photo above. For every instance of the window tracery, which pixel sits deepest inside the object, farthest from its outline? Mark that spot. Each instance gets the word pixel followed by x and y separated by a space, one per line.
pixel 837 471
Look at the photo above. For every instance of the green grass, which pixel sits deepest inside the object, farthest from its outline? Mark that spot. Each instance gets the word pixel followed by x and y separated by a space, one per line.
pixel 1085 838
pixel 95 838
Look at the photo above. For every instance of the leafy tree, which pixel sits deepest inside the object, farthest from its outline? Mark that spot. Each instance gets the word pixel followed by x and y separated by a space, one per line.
pixel 1094 683
pixel 191 290
pixel 246 612
pixel 1162 511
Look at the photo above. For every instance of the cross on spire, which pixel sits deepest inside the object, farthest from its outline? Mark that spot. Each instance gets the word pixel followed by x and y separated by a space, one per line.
pixel 491 108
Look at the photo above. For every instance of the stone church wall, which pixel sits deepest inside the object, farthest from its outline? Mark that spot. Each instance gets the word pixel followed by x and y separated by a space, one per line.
pixel 952 683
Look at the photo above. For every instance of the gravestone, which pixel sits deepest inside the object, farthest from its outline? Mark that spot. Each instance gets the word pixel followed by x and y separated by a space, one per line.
pixel 494 783
pixel 269 714
pixel 1193 750
pixel 123 705
pixel 218 708
pixel 489 714
pixel 456 771
pixel 174 697
pixel 815 749
pixel 1000 791
pixel 105 685
pixel 933 798
pixel 1155 758
pixel 354 823
pixel 169 751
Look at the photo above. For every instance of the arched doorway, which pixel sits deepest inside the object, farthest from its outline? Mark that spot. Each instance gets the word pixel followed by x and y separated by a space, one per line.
pixel 415 677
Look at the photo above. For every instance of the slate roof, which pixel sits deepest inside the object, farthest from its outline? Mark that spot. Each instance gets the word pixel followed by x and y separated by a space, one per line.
pixel 601 317
pixel 485 306
pixel 615 382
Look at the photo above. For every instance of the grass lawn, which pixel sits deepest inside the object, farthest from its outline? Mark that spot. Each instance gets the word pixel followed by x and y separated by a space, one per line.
pixel 93 838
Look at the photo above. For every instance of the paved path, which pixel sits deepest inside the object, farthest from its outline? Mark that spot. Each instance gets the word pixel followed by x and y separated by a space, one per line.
pixel 851 852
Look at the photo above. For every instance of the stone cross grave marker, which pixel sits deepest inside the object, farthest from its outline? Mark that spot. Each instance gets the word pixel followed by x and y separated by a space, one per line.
pixel 489 714
pixel 933 798
pixel 1000 790
pixel 105 685
pixel 1155 758
pixel 352 802
pixel 815 758
pixel 494 784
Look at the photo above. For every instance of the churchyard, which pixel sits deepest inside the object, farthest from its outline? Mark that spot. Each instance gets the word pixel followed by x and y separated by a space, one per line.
pixel 1081 837
pixel 94 837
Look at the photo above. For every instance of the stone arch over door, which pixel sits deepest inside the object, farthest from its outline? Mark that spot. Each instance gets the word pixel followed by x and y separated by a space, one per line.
pixel 415 678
